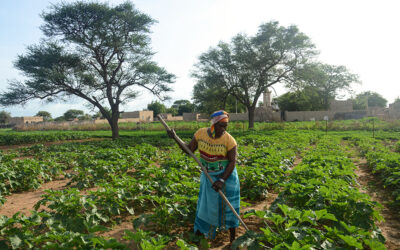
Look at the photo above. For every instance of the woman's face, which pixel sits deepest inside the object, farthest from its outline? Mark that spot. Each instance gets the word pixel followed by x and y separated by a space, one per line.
pixel 220 128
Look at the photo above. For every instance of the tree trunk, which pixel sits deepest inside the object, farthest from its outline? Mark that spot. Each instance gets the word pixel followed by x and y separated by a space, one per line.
pixel 251 111
pixel 114 126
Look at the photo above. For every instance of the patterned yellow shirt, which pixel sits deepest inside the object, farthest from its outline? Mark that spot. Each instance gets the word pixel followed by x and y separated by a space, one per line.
pixel 213 150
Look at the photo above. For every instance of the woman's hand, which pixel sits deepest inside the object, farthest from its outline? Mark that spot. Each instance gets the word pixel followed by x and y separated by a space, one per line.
pixel 171 133
pixel 217 185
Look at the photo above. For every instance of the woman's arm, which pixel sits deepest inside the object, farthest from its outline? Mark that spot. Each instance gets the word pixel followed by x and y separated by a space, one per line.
pixel 228 170
pixel 192 145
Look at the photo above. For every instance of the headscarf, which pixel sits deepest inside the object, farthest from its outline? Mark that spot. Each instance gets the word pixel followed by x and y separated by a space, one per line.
pixel 218 116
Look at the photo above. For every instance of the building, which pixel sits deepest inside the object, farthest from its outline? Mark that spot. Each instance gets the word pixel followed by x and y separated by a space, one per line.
pixel 142 116
pixel 170 117
pixel 25 120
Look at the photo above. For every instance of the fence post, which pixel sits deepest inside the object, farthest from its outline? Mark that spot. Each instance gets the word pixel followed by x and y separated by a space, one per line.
pixel 326 127
pixel 373 128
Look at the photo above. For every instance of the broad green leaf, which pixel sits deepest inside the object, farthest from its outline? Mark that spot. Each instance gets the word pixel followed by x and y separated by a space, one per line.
pixel 351 241
pixel 15 241
pixel 185 246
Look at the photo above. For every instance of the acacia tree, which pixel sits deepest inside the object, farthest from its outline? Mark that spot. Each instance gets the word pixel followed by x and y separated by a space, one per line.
pixel 94 51
pixel 247 66
pixel 46 115
pixel 157 108
pixel 72 114
pixel 208 96
pixel 325 79
pixel 368 99
pixel 306 99
pixel 4 117
pixel 183 106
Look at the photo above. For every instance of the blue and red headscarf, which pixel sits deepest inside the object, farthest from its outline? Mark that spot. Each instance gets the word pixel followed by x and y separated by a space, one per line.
pixel 218 116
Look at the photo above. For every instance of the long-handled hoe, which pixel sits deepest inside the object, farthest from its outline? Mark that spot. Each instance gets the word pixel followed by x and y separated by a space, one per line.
pixel 183 145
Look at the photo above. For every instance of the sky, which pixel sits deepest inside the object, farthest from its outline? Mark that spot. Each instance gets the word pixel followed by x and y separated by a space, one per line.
pixel 362 35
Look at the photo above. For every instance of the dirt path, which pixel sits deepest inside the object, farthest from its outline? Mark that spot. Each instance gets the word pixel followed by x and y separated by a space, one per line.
pixel 371 185
pixel 25 201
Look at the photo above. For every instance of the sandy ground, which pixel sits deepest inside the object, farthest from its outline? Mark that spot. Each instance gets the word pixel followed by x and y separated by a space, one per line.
pixel 25 201
pixel 369 184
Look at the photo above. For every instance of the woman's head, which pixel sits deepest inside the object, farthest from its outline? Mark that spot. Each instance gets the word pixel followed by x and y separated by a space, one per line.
pixel 219 123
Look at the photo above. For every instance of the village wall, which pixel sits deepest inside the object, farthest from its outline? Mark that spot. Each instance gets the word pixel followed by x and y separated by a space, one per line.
pixel 394 111
pixel 25 120
pixel 354 115
pixel 170 117
pixel 188 117
pixel 238 116
pixel 340 110
pixel 73 123
pixel 142 116
pixel 291 116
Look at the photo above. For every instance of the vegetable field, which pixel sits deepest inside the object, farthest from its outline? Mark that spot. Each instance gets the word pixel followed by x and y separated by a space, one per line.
pixel 299 189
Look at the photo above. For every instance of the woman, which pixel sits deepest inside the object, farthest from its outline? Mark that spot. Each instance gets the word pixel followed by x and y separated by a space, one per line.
pixel 218 151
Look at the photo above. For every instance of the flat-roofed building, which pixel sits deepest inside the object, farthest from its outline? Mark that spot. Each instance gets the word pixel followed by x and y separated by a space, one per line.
pixel 143 116
pixel 25 120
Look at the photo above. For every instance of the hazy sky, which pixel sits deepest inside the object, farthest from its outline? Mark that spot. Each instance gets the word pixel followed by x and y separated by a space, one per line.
pixel 361 35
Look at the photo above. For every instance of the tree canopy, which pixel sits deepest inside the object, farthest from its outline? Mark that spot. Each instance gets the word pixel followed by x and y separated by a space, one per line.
pixel 368 99
pixel 4 117
pixel 248 65
pixel 209 96
pixel 72 114
pixel 157 107
pixel 307 99
pixel 94 51
pixel 46 115
pixel 183 106
pixel 324 81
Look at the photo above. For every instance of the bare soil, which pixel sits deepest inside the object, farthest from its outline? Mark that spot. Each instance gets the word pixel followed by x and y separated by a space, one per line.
pixel 25 201
pixel 296 161
pixel 370 185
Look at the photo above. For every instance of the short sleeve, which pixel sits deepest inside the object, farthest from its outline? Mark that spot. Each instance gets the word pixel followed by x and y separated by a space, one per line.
pixel 231 143
pixel 197 134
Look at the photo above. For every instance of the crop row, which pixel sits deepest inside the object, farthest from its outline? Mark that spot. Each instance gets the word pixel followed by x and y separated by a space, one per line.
pixel 25 174
pixel 158 187
pixel 14 138
pixel 384 162
pixel 320 207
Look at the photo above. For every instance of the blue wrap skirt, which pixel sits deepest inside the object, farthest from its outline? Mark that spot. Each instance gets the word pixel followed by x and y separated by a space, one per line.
pixel 212 212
